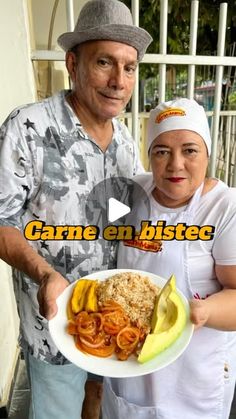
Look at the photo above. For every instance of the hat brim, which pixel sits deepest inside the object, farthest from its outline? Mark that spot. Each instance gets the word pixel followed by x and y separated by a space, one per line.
pixel 137 37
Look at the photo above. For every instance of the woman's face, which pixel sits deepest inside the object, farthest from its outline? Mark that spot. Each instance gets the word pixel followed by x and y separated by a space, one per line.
pixel 179 162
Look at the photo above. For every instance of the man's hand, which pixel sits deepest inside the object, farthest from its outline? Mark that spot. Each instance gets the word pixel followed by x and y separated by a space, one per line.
pixel 50 288
pixel 199 313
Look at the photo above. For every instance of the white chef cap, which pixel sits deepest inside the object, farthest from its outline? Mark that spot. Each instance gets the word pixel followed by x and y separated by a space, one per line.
pixel 179 114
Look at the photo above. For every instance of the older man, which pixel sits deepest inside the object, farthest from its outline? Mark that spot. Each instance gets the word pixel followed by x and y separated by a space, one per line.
pixel 52 153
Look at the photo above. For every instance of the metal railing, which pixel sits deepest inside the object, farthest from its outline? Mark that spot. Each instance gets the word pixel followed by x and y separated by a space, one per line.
pixel 223 158
pixel 226 156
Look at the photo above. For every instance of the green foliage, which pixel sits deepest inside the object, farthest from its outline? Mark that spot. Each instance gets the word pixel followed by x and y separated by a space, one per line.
pixel 179 26
pixel 232 100
pixel 178 38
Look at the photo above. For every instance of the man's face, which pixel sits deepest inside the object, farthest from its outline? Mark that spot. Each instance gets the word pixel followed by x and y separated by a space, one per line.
pixel 104 77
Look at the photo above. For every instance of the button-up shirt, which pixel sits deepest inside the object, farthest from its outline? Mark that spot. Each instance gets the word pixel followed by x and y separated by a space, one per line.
pixel 48 166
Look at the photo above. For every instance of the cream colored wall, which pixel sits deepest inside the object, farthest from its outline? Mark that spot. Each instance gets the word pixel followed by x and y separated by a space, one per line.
pixel 41 15
pixel 16 75
pixel 17 88
pixel 24 25
pixel 41 12
pixel 9 325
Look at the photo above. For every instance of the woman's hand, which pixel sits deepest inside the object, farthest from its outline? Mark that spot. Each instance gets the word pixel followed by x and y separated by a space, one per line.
pixel 51 286
pixel 216 311
pixel 199 313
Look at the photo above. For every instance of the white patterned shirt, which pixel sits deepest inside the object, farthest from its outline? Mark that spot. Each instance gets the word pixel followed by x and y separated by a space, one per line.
pixel 48 166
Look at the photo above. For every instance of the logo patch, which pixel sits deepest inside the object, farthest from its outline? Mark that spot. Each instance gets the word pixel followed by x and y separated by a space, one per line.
pixel 168 113
pixel 146 245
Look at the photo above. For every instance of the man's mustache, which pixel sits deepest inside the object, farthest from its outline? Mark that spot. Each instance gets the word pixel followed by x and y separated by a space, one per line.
pixel 111 94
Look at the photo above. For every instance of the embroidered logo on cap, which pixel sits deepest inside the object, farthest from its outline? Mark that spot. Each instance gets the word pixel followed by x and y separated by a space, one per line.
pixel 169 112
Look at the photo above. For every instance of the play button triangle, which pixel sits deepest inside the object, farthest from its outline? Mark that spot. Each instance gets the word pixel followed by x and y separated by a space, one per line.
pixel 116 210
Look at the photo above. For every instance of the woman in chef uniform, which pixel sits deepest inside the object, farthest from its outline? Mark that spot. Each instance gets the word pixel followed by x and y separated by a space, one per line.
pixel 200 383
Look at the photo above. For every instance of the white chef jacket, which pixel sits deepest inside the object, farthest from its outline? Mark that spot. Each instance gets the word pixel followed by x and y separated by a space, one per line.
pixel 200 383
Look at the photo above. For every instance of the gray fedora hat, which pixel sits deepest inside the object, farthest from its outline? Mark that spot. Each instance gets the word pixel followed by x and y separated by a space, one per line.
pixel 106 20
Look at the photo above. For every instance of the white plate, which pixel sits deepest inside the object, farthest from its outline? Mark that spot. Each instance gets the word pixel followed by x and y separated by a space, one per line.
pixel 111 367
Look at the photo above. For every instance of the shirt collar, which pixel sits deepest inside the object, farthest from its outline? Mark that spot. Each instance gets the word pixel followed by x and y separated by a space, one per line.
pixel 69 123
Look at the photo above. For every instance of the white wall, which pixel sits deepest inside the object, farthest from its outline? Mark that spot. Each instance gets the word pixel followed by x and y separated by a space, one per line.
pixel 17 87
pixel 24 24
pixel 16 73
pixel 9 325
pixel 41 15
pixel 41 12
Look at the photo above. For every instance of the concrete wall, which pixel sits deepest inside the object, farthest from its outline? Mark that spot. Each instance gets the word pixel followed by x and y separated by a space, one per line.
pixel 51 76
pixel 16 73
pixel 41 16
pixel 24 25
pixel 9 325
pixel 17 87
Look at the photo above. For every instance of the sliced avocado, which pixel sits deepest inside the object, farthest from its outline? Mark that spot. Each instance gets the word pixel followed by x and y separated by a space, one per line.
pixel 172 327
pixel 160 308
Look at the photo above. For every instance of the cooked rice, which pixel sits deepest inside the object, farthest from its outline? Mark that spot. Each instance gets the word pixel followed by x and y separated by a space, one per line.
pixel 135 293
